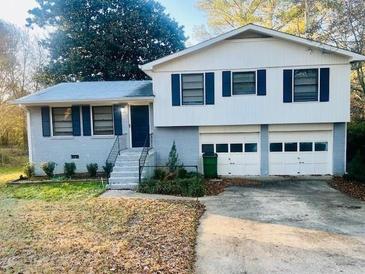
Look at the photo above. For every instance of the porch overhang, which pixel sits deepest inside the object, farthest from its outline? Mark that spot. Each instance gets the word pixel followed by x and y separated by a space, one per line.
pixel 107 92
pixel 126 100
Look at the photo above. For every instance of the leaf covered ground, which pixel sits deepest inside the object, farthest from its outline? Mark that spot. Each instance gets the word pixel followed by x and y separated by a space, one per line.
pixel 352 188
pixel 78 232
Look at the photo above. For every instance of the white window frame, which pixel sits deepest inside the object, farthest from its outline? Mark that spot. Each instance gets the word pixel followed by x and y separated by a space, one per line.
pixel 182 90
pixel 51 123
pixel 318 84
pixel 238 71
pixel 92 121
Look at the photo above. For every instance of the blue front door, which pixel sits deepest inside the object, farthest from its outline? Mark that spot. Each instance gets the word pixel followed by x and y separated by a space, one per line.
pixel 140 124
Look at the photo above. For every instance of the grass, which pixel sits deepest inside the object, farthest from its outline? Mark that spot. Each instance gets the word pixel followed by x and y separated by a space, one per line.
pixel 64 227
pixel 10 173
pixel 53 191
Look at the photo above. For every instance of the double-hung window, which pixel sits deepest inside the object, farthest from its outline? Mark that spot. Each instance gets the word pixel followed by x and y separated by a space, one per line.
pixel 244 82
pixel 305 85
pixel 192 89
pixel 62 121
pixel 103 120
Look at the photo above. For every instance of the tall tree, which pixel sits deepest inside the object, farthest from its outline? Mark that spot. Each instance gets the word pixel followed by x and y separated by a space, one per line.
pixel 300 17
pixel 20 57
pixel 104 39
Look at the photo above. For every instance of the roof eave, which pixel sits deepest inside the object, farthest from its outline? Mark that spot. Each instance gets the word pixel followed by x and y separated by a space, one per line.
pixel 84 101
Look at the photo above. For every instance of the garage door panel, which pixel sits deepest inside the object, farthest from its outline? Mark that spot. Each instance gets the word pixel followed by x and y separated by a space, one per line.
pixel 301 162
pixel 235 163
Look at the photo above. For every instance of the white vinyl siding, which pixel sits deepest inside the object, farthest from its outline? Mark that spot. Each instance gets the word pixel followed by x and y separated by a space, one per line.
pixel 103 120
pixel 192 89
pixel 62 121
pixel 305 85
pixel 244 82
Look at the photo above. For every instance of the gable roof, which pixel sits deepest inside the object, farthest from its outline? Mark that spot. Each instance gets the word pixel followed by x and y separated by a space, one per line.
pixel 264 32
pixel 78 92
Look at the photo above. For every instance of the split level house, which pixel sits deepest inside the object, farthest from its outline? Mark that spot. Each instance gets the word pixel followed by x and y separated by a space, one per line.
pixel 267 102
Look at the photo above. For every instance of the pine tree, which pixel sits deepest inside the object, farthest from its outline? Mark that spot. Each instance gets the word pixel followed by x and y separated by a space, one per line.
pixel 173 161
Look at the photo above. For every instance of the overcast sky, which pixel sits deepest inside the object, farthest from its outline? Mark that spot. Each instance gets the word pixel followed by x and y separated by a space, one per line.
pixel 184 11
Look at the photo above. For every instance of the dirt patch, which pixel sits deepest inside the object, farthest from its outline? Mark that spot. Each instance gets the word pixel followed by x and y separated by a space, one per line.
pixel 98 235
pixel 351 188
pixel 216 186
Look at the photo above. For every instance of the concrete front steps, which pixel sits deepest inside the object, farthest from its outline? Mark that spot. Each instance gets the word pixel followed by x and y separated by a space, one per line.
pixel 125 171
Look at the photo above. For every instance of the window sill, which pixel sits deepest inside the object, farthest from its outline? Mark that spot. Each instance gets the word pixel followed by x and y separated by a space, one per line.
pixel 103 136
pixel 62 137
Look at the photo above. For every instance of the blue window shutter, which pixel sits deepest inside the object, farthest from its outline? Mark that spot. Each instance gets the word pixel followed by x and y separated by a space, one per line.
pixel 288 86
pixel 325 85
pixel 209 88
pixel 226 83
pixel 86 120
pixel 76 125
pixel 175 89
pixel 261 82
pixel 117 119
pixel 46 122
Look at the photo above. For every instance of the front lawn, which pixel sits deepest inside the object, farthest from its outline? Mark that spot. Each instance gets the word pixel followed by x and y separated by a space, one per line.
pixel 9 173
pixel 64 228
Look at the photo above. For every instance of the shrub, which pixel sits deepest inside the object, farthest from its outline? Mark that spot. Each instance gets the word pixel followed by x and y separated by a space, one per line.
pixel 29 170
pixel 356 168
pixel 173 160
pixel 159 174
pixel 192 187
pixel 108 168
pixel 69 169
pixel 182 172
pixel 48 168
pixel 92 169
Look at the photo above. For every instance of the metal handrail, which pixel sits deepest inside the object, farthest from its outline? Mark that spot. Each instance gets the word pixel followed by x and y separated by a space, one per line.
pixel 142 159
pixel 115 151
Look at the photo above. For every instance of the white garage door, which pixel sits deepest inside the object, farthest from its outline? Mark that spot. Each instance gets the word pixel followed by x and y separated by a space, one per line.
pixel 300 153
pixel 238 153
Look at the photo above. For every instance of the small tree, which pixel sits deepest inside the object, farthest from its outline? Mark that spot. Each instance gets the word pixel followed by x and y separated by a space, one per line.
pixel 173 161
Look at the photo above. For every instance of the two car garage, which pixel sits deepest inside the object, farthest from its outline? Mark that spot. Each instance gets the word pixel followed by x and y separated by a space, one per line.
pixel 281 150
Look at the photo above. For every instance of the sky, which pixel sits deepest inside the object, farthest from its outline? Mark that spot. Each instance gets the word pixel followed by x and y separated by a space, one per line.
pixel 184 12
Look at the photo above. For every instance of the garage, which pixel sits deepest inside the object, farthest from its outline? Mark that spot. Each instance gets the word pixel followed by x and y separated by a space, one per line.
pixel 300 153
pixel 238 152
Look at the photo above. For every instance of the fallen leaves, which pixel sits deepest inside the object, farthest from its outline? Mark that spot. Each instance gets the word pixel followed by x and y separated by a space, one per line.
pixel 351 188
pixel 99 235
pixel 216 186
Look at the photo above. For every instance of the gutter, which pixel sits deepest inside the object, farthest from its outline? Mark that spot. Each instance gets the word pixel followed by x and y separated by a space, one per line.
pixel 84 101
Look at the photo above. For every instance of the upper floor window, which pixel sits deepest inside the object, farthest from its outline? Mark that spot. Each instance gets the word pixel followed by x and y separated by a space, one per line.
pixel 305 85
pixel 244 82
pixel 192 89
pixel 103 120
pixel 62 121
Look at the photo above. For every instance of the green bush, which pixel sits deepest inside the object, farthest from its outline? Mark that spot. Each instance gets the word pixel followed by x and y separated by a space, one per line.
pixel 92 169
pixel 356 168
pixel 159 174
pixel 48 168
pixel 108 168
pixel 69 169
pixel 29 170
pixel 355 139
pixel 191 187
pixel 182 172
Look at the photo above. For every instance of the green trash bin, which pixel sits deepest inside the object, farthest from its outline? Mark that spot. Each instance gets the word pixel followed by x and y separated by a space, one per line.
pixel 210 165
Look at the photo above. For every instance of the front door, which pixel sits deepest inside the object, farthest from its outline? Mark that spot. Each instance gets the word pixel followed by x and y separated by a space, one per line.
pixel 140 125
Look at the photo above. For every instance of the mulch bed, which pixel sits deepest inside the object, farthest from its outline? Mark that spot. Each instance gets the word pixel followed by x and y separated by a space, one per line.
pixel 216 186
pixel 351 188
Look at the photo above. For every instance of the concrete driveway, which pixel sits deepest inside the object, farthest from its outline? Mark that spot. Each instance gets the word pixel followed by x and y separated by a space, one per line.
pixel 282 227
